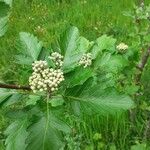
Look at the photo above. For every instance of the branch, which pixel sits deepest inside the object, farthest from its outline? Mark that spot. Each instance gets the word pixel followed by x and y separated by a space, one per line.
pixel 142 64
pixel 12 86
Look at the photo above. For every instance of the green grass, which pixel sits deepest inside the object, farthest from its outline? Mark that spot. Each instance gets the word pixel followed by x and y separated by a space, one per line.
pixel 47 19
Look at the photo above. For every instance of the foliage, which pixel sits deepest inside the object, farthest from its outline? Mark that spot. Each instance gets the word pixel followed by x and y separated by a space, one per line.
pixel 81 87
pixel 92 101
pixel 5 5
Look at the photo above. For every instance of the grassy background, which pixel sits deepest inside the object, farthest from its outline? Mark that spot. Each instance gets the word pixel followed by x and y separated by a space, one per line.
pixel 47 19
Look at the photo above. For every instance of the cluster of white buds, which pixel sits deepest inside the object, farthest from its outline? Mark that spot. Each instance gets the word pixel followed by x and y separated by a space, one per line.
pixel 44 78
pixel 86 60
pixel 39 66
pixel 57 58
pixel 122 47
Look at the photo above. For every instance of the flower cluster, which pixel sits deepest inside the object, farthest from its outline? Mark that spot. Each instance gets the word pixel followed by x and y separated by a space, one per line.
pixel 86 60
pixel 57 58
pixel 44 78
pixel 122 47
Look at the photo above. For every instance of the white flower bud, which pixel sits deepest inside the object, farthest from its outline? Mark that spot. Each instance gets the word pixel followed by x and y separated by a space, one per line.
pixel 44 78
pixel 86 60
pixel 41 90
pixel 122 47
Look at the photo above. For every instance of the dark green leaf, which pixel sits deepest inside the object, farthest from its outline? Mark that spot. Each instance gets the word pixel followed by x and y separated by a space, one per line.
pixel 32 100
pixel 4 9
pixel 78 76
pixel 59 124
pixel 56 101
pixel 43 136
pixel 16 135
pixel 97 100
pixel 13 99
pixel 5 94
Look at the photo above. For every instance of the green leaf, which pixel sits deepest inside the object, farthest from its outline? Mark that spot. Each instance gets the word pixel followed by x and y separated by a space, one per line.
pixel 56 101
pixel 5 94
pixel 9 97
pixel 32 100
pixel 96 100
pixel 16 135
pixel 13 99
pixel 105 43
pixel 23 60
pixel 43 136
pixel 139 147
pixel 4 15
pixel 3 25
pixel 116 63
pixel 68 41
pixel 102 60
pixel 78 76
pixel 30 44
pixel 131 89
pixel 8 2
pixel 58 124
pixel 4 9
pixel 74 48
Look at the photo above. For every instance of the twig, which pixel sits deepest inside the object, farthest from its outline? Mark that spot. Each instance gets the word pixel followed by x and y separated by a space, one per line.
pixel 13 86
pixel 142 64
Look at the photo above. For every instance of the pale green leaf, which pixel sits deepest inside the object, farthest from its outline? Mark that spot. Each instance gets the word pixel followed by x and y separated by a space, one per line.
pixel 4 15
pixel 75 47
pixel 8 2
pixel 24 60
pixel 68 41
pixel 103 43
pixel 139 147
pixel 3 25
pixel 30 44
